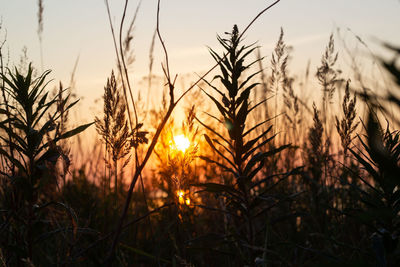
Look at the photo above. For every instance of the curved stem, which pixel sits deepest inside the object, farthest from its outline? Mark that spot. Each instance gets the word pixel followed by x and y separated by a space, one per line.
pixel 171 107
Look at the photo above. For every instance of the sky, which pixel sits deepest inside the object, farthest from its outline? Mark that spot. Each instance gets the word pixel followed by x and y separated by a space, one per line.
pixel 79 29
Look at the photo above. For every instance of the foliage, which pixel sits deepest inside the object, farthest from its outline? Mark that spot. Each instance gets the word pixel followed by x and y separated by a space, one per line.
pixel 331 198
pixel 30 149
pixel 379 156
pixel 238 151
pixel 114 129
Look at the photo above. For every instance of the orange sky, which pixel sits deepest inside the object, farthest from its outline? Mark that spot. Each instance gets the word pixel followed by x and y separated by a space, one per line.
pixel 78 28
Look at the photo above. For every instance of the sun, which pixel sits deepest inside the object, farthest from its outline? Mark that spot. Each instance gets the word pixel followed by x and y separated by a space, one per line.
pixel 182 199
pixel 181 142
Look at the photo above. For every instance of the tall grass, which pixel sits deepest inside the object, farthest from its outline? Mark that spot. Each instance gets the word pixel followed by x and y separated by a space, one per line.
pixel 266 179
pixel 31 134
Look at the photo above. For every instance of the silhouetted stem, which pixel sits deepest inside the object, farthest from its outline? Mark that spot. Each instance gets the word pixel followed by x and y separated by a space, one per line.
pixel 7 110
pixel 98 241
pixel 133 183
pixel 171 107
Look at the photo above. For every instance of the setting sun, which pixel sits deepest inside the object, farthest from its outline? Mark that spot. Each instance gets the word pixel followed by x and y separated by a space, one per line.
pixel 269 135
pixel 180 195
pixel 181 198
pixel 181 142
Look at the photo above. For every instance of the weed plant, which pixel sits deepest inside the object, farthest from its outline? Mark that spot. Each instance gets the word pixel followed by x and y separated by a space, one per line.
pixel 268 178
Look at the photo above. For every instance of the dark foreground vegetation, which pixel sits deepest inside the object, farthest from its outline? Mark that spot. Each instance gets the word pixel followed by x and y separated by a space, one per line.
pixel 266 179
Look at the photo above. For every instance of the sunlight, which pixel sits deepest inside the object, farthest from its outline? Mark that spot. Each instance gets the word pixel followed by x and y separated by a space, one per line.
pixel 181 142
pixel 180 195
pixel 181 198
pixel 187 201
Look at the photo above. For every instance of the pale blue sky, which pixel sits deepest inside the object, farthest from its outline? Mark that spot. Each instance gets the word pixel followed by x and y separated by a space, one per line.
pixel 80 27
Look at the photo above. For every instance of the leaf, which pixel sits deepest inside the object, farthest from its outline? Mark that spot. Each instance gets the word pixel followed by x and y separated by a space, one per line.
pixel 251 175
pixel 366 165
pixel 71 105
pixel 219 152
pixel 261 156
pixel 215 132
pixel 43 99
pixel 219 164
pixel 220 188
pixel 295 171
pixel 212 116
pixel 15 136
pixel 241 116
pixel 256 126
pixel 258 104
pixel 247 80
pixel 50 155
pixel 3 111
pixel 252 142
pixel 12 160
pixel 248 154
pixel 46 107
pixel 14 145
pixel 245 94
pixel 75 131
pixel 221 109
pixel 213 87
pixel 226 149
pixel 38 85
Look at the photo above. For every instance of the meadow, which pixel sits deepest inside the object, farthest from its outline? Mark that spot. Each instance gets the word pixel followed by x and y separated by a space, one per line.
pixel 256 174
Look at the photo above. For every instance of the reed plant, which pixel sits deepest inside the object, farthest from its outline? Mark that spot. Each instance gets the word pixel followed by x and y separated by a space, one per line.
pixel 30 149
pixel 329 198
pixel 240 154
pixel 114 130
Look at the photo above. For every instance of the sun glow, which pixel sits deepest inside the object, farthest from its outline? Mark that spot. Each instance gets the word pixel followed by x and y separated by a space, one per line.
pixel 182 199
pixel 180 195
pixel 181 142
